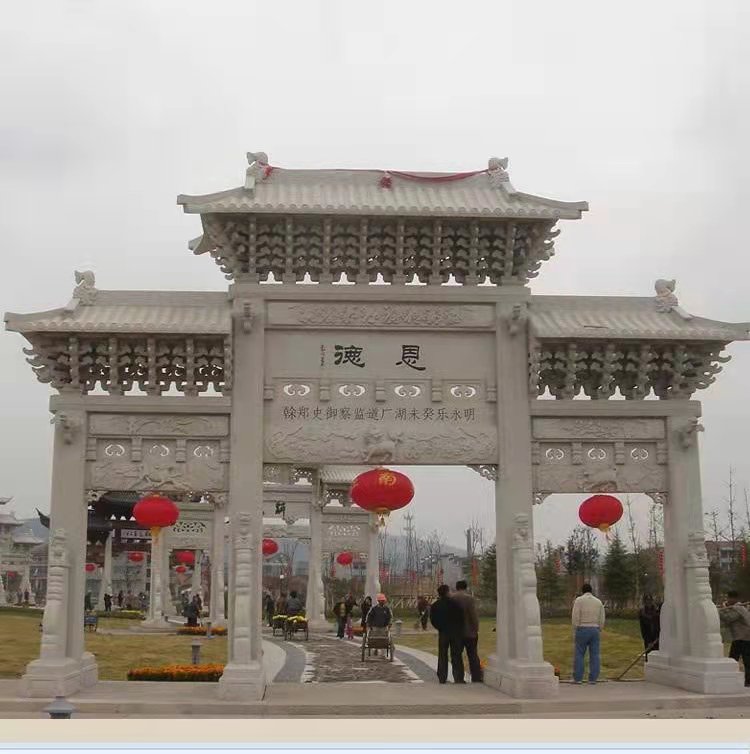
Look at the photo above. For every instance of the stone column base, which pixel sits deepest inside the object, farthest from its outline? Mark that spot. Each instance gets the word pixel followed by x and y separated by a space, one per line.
pixel 319 626
pixel 50 678
pixel 243 682
pixel 719 675
pixel 523 680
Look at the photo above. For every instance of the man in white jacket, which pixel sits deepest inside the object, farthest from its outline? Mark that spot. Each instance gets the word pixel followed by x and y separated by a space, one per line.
pixel 588 621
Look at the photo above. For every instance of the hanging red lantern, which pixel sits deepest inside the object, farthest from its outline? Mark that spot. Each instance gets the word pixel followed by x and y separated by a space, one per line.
pixel 600 512
pixel 180 569
pixel 135 557
pixel 90 567
pixel 382 491
pixel 270 547
pixel 155 512
pixel 345 558
pixel 185 557
pixel 11 574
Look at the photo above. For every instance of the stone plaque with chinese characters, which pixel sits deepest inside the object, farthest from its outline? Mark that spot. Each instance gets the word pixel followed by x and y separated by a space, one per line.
pixel 380 397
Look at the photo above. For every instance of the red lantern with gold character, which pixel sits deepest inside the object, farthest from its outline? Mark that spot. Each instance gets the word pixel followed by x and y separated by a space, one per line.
pixel 382 491
pixel 345 558
pixel 600 512
pixel 185 557
pixel 270 547
pixel 154 512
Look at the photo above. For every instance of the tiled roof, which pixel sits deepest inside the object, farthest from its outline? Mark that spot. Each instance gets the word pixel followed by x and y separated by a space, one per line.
pixel 27 539
pixel 341 474
pixel 132 312
pixel 9 519
pixel 359 192
pixel 622 317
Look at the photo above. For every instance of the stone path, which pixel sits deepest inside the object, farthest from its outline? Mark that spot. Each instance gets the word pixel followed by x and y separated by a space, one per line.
pixel 325 659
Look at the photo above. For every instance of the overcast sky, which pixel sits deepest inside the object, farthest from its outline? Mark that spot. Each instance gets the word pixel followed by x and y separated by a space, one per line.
pixel 109 110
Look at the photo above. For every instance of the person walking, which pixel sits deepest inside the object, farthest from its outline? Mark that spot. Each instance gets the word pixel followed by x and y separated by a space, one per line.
pixel 423 608
pixel 281 604
pixel 88 604
pixel 364 609
pixel 648 617
pixel 470 638
pixel 588 621
pixel 339 611
pixel 269 608
pixel 736 618
pixel 448 618
pixel 108 603
pixel 120 598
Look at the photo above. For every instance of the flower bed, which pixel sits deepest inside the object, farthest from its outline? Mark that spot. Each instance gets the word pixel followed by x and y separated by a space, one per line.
pixel 202 630
pixel 208 673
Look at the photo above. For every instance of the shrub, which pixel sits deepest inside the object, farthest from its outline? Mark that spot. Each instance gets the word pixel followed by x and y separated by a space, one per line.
pixel 208 673
pixel 123 614
pixel 202 630
pixel 19 610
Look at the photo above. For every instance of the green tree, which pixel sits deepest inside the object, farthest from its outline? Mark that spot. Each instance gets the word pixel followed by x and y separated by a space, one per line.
pixel 488 573
pixel 619 573
pixel 550 587
pixel 581 555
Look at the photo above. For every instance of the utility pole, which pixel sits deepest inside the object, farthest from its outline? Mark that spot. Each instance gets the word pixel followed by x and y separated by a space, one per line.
pixel 731 513
pixel 411 554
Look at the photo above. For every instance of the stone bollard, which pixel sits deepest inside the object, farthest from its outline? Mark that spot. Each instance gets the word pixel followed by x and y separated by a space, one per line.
pixel 60 709
pixel 196 648
pixel 209 635
pixel 397 627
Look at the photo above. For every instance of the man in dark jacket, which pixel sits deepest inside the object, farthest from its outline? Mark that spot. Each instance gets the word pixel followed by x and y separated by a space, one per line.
pixel 471 629
pixel 380 615
pixel 648 617
pixel 448 618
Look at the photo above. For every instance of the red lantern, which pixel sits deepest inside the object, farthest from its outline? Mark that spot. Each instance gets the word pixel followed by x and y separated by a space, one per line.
pixel 185 557
pixel 155 512
pixel 270 547
pixel 90 567
pixel 180 569
pixel 135 557
pixel 344 558
pixel 600 512
pixel 382 491
pixel 11 574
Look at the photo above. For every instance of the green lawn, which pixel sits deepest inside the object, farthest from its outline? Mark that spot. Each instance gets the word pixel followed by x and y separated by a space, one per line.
pixel 621 644
pixel 20 635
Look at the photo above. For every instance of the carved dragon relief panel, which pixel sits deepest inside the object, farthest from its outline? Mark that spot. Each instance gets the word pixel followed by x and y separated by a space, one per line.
pixel 139 425
pixel 137 463
pixel 340 442
pixel 599 455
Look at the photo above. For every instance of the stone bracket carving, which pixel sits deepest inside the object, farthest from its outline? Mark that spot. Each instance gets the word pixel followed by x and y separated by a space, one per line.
pixel 69 425
pixel 689 433
pixel 517 320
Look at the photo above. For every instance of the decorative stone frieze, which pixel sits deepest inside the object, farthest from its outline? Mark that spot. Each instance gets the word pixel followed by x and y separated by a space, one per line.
pixel 428 250
pixel 599 369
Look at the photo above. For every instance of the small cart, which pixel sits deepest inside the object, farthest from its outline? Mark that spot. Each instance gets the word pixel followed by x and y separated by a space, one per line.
pixel 377 639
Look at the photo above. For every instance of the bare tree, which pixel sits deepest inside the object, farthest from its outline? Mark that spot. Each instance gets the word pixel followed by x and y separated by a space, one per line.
pixel 730 503
pixel 636 543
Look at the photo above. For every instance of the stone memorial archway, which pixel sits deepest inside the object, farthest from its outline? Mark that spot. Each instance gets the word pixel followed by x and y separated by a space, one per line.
pixel 417 371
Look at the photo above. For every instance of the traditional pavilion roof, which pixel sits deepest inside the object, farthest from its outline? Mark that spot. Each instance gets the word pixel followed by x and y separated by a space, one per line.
pixel 27 538
pixel 134 312
pixel 341 474
pixel 484 193
pixel 623 317
pixel 9 519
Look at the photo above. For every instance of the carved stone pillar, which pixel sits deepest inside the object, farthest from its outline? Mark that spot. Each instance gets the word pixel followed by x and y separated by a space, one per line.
pixel 691 654
pixel 3 598
pixel 165 593
pixel 244 676
pixel 517 667
pixel 196 581
pixel 26 584
pixel 372 575
pixel 76 668
pixel 216 608
pixel 54 673
pixel 105 586
pixel 155 617
pixel 315 603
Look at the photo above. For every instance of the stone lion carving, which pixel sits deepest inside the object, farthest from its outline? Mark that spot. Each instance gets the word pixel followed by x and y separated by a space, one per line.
pixel 85 291
pixel 665 298
pixel 380 447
